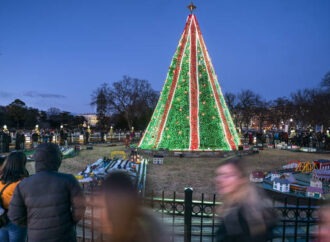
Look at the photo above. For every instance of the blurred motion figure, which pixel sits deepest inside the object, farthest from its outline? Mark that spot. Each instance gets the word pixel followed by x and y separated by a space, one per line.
pixel 323 233
pixel 246 214
pixel 124 219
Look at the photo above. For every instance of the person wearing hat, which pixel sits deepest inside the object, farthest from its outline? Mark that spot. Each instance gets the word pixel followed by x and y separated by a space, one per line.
pixel 49 203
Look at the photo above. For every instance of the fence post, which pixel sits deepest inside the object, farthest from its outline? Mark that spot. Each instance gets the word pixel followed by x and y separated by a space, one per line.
pixel 187 213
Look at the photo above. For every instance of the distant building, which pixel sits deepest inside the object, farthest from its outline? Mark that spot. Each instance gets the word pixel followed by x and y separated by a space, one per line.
pixel 315 189
pixel 282 185
pixel 291 165
pixel 323 164
pixel 315 192
pixel 323 175
pixel 257 176
pixel 316 183
pixel 91 118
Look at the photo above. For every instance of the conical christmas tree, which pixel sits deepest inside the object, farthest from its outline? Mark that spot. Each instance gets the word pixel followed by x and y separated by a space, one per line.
pixel 191 113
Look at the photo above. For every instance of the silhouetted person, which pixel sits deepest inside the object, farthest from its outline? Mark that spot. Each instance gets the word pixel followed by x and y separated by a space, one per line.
pixel 49 203
pixel 35 139
pixel 12 173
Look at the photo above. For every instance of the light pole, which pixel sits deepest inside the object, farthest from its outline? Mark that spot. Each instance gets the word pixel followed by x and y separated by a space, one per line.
pixel 291 121
pixel 111 133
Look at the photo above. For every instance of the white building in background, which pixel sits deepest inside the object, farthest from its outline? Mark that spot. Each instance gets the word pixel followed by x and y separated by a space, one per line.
pixel 282 185
pixel 91 118
pixel 316 183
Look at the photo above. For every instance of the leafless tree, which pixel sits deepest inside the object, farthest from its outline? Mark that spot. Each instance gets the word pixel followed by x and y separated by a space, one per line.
pixel 131 97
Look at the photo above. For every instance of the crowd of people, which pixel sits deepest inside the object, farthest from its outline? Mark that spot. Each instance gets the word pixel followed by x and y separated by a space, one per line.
pixel 320 140
pixel 21 139
pixel 46 206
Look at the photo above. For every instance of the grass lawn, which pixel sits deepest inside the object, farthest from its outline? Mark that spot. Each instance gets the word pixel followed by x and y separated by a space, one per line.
pixel 178 173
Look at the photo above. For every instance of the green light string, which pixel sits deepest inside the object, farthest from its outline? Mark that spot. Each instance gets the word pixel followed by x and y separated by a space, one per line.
pixel 211 131
pixel 150 135
pixel 177 130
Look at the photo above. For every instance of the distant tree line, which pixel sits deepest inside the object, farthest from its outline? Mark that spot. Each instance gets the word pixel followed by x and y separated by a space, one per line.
pixel 130 103
pixel 306 108
pixel 19 116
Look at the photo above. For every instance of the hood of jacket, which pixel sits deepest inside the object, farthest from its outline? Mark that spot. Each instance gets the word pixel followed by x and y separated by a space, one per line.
pixel 48 157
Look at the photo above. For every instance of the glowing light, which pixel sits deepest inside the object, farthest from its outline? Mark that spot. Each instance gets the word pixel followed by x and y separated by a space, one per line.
pixel 205 110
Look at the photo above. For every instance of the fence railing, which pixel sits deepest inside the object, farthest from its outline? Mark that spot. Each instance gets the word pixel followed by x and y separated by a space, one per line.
pixel 189 219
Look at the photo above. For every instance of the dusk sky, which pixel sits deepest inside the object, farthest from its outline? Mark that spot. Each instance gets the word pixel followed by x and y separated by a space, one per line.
pixel 55 53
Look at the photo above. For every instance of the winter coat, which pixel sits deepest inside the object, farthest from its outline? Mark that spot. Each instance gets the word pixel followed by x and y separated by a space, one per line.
pixel 49 203
pixel 7 193
pixel 241 224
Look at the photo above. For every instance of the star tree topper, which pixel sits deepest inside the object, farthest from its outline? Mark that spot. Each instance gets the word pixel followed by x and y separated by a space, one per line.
pixel 191 7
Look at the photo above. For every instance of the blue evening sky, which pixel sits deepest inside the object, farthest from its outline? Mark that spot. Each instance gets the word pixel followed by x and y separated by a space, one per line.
pixel 54 53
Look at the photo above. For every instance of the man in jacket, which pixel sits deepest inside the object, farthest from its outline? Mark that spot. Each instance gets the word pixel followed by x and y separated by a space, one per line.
pixel 49 203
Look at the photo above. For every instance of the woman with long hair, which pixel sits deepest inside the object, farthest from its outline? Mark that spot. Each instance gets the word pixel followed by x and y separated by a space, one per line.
pixel 246 214
pixel 123 218
pixel 12 172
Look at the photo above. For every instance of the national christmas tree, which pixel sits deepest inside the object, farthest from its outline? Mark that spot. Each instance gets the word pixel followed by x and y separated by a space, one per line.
pixel 191 113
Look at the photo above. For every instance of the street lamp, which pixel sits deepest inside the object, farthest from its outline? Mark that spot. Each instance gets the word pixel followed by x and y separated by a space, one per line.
pixel 111 133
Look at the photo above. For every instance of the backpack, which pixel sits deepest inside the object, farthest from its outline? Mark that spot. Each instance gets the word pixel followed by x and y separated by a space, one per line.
pixel 4 220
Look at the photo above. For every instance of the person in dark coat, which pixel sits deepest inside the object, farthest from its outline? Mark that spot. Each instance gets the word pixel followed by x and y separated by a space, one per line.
pixel 2 142
pixel 35 138
pixel 246 214
pixel 49 203
pixel 7 141
pixel 18 140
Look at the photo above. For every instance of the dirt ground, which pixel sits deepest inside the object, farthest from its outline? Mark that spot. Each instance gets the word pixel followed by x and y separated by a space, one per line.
pixel 85 157
pixel 176 173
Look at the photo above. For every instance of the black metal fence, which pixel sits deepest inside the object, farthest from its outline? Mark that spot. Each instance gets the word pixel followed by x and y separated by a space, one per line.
pixel 189 219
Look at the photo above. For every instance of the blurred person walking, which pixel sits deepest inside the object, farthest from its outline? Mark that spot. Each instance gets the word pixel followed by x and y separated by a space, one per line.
pixel 124 219
pixel 13 171
pixel 49 203
pixel 246 214
pixel 323 232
